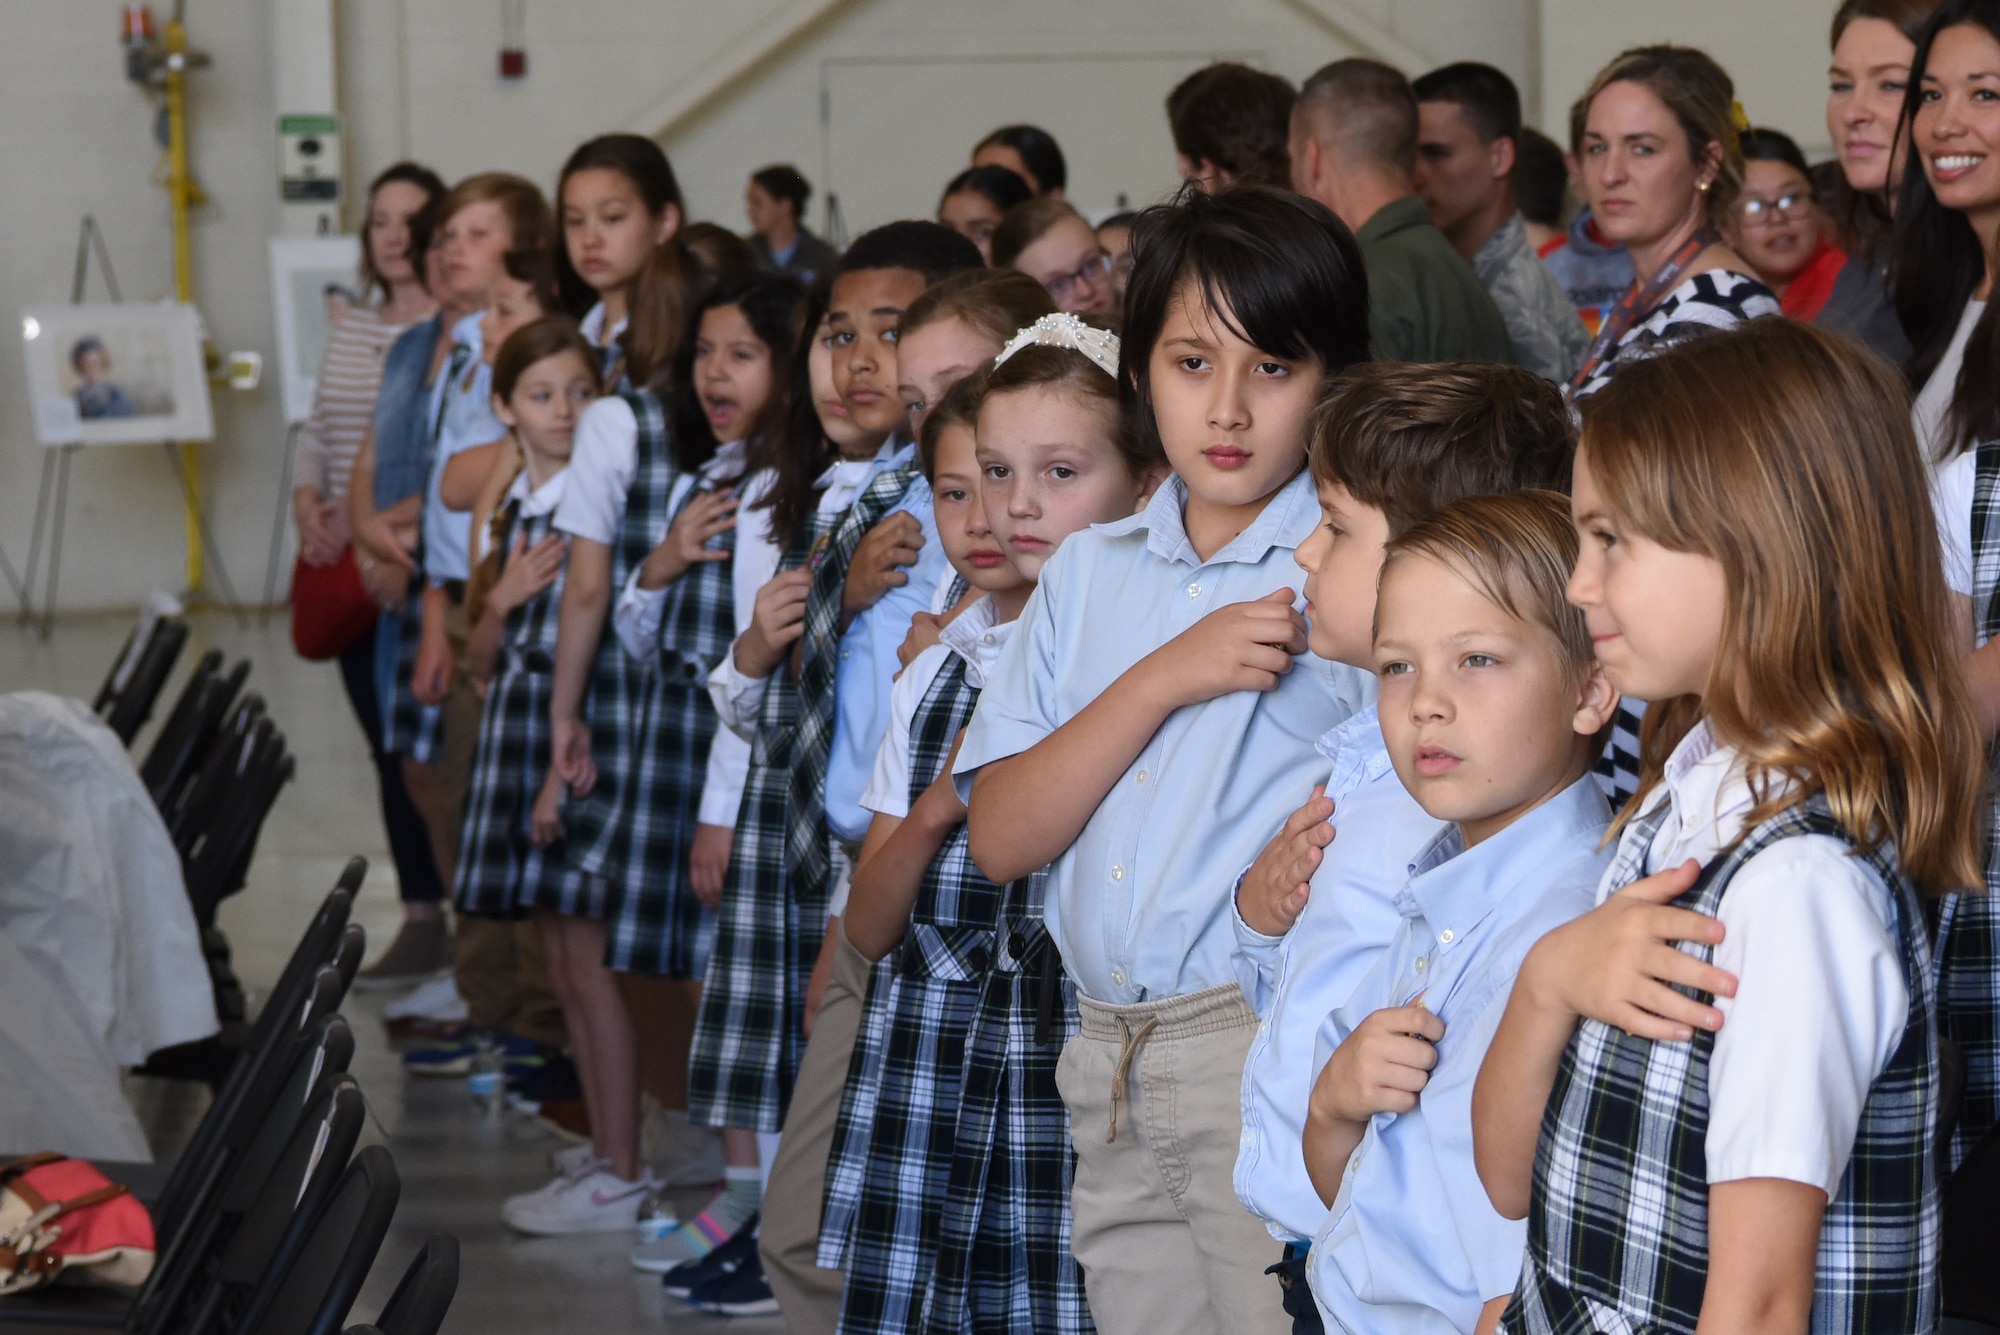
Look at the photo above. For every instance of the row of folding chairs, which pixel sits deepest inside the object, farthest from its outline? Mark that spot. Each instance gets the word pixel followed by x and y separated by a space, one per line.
pixel 270 1221
pixel 214 770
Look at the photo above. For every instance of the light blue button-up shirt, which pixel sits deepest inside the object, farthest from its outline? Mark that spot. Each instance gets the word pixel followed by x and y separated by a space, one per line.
pixel 1295 981
pixel 461 408
pixel 1139 905
pixel 868 664
pixel 1412 1244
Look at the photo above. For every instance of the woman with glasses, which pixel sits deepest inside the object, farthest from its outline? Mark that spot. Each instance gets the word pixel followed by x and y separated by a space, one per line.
pixel 1779 230
pixel 1051 243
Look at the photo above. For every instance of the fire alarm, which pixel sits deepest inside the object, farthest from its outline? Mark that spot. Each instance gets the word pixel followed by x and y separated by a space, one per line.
pixel 513 39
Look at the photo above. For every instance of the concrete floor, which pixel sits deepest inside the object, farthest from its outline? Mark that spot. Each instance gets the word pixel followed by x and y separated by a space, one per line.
pixel 455 1169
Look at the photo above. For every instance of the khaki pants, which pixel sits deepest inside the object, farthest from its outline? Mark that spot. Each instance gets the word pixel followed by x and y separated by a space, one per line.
pixel 1154 1093
pixel 789 1239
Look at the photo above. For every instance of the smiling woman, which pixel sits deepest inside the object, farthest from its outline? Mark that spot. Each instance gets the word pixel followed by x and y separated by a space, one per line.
pixel 1947 220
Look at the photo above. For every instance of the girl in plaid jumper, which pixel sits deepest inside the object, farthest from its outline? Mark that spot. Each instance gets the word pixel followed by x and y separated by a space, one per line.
pixel 543 378
pixel 1048 464
pixel 1714 1096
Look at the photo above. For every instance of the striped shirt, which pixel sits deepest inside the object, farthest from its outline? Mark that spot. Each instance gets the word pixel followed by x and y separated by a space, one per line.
pixel 343 408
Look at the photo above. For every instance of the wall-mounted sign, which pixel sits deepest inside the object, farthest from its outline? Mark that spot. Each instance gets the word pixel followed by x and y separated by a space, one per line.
pixel 308 159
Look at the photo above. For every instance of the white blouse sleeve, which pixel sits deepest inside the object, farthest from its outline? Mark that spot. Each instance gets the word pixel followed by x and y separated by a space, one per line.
pixel 601 468
pixel 755 561
pixel 1951 498
pixel 1818 1012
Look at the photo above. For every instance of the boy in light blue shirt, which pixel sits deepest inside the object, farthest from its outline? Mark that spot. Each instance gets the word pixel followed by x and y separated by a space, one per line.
pixel 1391 444
pixel 1493 709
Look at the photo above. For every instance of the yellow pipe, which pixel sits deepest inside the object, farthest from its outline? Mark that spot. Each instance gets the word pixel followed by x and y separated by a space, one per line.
pixel 182 194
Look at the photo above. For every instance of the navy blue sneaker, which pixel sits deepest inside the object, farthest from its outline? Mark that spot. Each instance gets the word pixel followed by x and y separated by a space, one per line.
pixel 684 1279
pixel 742 1292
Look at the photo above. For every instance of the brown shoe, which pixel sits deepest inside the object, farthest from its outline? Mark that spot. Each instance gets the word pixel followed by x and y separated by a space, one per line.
pixel 421 950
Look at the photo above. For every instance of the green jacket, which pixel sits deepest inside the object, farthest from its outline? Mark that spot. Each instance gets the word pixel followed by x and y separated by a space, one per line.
pixel 1425 302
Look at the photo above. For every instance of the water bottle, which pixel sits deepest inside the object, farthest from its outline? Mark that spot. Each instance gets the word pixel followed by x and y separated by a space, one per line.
pixel 485 1083
pixel 656 1216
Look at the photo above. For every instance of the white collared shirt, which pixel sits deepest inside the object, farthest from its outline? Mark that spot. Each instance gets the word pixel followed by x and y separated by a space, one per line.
pixel 1820 1003
pixel 973 635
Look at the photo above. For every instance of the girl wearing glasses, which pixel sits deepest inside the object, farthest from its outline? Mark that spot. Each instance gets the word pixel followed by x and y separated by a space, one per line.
pixel 1779 230
pixel 1053 244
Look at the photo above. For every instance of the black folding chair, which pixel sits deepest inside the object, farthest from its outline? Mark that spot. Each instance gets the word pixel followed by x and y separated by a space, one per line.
pixel 125 700
pixel 287 1206
pixel 424 1295
pixel 247 1093
pixel 346 959
pixel 192 809
pixel 216 859
pixel 316 1065
pixel 314 1295
pixel 275 1228
pixel 186 1253
pixel 191 729
pixel 215 1059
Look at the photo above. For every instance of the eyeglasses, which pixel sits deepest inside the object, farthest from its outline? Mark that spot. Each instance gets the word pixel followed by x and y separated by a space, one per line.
pixel 1063 284
pixel 1763 212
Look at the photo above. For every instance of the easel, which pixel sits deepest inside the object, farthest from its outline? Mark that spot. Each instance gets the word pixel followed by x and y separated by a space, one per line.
pixel 56 462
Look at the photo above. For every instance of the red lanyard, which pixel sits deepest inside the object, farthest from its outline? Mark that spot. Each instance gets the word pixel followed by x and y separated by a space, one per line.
pixel 1638 302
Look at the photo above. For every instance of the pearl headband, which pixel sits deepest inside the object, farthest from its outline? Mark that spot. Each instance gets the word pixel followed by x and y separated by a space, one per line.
pixel 1066 331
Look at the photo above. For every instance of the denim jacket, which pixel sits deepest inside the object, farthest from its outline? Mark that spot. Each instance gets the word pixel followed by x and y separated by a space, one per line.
pixel 402 435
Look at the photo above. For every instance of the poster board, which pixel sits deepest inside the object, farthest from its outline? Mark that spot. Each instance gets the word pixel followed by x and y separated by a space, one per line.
pixel 312 280
pixel 116 374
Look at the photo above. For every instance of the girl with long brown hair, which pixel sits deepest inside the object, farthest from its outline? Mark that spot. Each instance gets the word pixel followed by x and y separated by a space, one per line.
pixel 1730 1065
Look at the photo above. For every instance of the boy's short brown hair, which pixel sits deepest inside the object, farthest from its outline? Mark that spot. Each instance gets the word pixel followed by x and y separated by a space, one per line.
pixel 1518 549
pixel 1410 439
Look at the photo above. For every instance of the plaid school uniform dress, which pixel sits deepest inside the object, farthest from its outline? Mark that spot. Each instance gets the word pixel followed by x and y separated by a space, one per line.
pixel 1618 1224
pixel 748 1037
pixel 1003 1257
pixel 1968 931
pixel 655 924
pixel 610 828
pixel 500 871
pixel 409 726
pixel 909 1136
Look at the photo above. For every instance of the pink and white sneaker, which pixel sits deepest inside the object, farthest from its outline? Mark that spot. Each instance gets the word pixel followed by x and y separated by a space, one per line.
pixel 598 1201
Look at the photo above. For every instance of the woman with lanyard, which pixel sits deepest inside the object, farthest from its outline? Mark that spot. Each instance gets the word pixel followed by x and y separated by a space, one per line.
pixel 1655 140
pixel 1656 144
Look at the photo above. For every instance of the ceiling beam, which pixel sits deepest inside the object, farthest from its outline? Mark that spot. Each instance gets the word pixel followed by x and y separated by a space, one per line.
pixel 1369 37
pixel 664 117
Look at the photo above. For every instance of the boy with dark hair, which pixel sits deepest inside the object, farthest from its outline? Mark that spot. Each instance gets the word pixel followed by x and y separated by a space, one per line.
pixel 1390 444
pixel 1469 126
pixel 1230 124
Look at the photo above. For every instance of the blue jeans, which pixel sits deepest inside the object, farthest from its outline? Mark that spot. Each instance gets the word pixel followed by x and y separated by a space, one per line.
pixel 1299 1304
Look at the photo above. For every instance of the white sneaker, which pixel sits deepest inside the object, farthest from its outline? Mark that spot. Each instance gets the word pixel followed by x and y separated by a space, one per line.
pixel 436 1000
pixel 573 1161
pixel 598 1202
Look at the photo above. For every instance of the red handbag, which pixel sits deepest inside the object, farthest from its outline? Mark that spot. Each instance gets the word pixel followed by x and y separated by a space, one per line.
pixel 61 1218
pixel 331 608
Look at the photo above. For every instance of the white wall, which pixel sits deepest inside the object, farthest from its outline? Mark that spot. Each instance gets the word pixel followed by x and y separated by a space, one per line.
pixel 908 85
pixel 1775 51
pixel 78 139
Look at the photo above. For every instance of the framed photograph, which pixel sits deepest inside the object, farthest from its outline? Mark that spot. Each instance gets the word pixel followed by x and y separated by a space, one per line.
pixel 116 374
pixel 313 280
